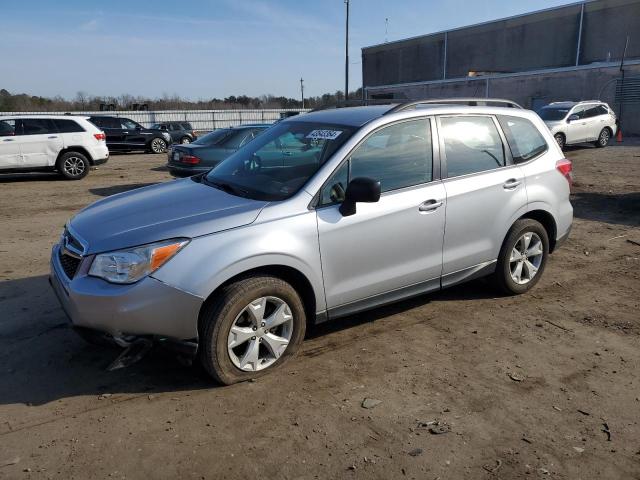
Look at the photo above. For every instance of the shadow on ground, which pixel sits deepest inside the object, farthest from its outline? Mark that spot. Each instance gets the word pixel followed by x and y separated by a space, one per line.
pixel 43 360
pixel 108 191
pixel 621 209
pixel 31 177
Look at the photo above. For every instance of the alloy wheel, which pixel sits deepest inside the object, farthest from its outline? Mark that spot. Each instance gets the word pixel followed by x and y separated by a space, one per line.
pixel 526 258
pixel 604 137
pixel 560 140
pixel 260 334
pixel 74 166
pixel 185 140
pixel 157 145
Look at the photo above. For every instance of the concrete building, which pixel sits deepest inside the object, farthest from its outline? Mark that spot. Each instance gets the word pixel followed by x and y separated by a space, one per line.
pixel 572 52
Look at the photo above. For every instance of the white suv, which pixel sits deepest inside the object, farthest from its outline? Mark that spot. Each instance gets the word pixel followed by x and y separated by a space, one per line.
pixel 580 122
pixel 67 144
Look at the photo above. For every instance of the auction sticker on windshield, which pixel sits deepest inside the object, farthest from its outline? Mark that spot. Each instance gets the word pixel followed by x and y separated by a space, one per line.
pixel 324 134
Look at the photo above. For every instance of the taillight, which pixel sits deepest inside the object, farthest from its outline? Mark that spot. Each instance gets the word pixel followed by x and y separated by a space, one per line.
pixel 100 136
pixel 565 168
pixel 190 159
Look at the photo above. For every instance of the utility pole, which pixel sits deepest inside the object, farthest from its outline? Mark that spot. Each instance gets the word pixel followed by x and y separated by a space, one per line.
pixel 302 90
pixel 386 30
pixel 624 54
pixel 346 56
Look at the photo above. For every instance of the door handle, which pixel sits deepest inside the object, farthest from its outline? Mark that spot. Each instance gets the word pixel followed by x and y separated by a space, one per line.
pixel 287 154
pixel 8 140
pixel 429 205
pixel 53 136
pixel 511 184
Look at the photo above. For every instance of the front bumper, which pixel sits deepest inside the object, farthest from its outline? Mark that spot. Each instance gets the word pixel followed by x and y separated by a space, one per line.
pixel 146 308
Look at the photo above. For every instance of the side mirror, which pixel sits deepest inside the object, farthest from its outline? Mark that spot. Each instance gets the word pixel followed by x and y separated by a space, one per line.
pixel 572 118
pixel 361 189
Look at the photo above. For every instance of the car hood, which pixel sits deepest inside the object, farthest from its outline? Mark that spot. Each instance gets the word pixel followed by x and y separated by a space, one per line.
pixel 179 208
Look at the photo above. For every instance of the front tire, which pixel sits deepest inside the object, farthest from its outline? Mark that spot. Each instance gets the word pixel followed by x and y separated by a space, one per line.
pixel 73 166
pixel 522 258
pixel 185 140
pixel 158 145
pixel 250 329
pixel 560 140
pixel 603 138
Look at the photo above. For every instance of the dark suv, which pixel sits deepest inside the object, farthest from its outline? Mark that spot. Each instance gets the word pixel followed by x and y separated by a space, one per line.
pixel 181 132
pixel 123 134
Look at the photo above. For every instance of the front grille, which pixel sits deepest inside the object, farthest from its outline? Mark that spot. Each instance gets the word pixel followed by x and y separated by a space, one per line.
pixel 69 263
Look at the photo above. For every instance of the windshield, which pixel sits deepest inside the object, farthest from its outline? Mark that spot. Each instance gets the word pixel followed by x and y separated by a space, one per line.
pixel 279 162
pixel 212 138
pixel 555 113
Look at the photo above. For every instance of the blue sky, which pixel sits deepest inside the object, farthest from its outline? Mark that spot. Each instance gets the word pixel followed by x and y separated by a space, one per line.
pixel 211 48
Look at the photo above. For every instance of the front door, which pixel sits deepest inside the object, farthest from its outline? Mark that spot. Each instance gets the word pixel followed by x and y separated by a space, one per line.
pixel 134 134
pixel 9 145
pixel 392 248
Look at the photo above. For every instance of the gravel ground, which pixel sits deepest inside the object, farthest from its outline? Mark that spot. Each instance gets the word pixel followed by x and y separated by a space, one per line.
pixel 460 384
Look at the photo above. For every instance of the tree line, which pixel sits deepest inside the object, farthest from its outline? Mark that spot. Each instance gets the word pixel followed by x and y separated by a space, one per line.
pixel 23 102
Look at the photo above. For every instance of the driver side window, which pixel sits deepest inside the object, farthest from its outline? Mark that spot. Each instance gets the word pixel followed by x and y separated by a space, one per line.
pixel 398 156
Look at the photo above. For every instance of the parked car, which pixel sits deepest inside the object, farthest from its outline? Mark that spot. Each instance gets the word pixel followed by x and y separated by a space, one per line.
pixel 210 149
pixel 70 145
pixel 580 122
pixel 123 134
pixel 374 205
pixel 180 132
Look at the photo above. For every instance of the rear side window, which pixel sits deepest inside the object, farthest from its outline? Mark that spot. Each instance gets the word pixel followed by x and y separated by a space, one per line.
pixel 68 126
pixel 524 139
pixel 186 126
pixel 602 110
pixel 7 128
pixel 37 126
pixel 471 145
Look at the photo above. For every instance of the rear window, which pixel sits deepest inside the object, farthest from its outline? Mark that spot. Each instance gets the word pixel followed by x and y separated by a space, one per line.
pixel 553 113
pixel 68 126
pixel 524 139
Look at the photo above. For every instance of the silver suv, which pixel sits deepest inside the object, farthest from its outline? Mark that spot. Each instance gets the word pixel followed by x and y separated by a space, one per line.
pixel 580 122
pixel 323 215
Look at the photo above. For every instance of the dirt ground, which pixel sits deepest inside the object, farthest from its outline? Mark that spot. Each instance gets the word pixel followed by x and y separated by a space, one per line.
pixel 544 385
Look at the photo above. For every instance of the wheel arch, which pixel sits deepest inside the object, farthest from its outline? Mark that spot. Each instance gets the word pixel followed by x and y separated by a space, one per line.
pixel 547 220
pixel 291 275
pixel 77 149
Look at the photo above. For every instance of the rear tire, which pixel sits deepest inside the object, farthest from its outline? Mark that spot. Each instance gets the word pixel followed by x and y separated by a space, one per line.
pixel 185 140
pixel 243 306
pixel 560 140
pixel 73 165
pixel 522 258
pixel 158 145
pixel 603 138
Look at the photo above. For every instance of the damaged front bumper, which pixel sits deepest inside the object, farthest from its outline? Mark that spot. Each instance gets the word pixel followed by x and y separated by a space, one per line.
pixel 122 314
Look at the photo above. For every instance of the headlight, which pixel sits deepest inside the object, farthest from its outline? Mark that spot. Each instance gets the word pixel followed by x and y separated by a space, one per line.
pixel 133 264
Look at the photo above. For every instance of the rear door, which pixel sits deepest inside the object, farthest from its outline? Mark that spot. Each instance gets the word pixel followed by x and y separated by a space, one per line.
pixel 40 142
pixel 592 118
pixel 10 156
pixel 485 193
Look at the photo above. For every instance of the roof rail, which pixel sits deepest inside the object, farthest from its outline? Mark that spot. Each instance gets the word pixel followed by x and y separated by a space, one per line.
pixel 473 102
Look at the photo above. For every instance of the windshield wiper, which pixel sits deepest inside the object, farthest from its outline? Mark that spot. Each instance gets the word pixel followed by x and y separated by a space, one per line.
pixel 226 187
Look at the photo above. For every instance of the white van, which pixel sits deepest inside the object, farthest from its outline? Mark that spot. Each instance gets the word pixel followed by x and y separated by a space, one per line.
pixel 70 145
